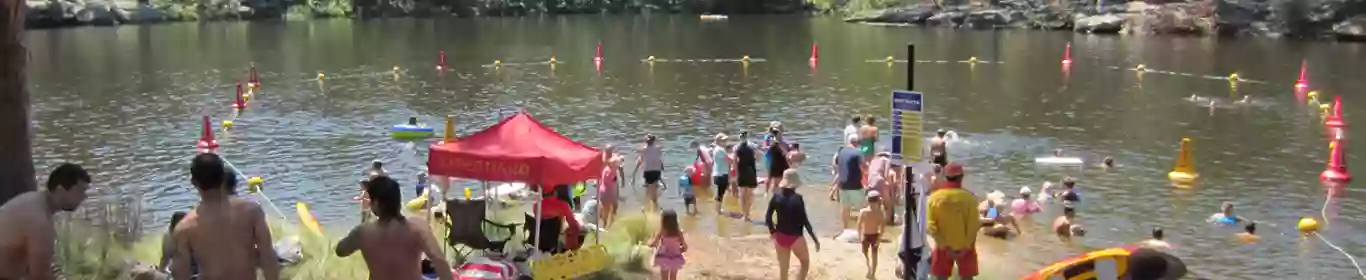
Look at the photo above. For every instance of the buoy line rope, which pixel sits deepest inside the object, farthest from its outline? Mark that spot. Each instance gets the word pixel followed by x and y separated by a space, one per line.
pixel 261 192
pixel 1324 214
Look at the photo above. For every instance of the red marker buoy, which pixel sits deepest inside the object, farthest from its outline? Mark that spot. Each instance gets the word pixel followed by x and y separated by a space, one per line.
pixel 239 103
pixel 1303 81
pixel 597 54
pixel 206 143
pixel 1337 166
pixel 1335 120
pixel 441 60
pixel 1067 54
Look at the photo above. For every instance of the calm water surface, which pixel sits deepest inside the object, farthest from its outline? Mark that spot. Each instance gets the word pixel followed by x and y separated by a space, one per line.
pixel 125 101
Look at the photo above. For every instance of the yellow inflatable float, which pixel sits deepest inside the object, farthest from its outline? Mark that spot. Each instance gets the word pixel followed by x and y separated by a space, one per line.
pixel 1184 172
pixel 306 218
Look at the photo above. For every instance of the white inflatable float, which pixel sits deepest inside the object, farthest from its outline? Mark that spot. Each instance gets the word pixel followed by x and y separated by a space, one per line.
pixel 1058 160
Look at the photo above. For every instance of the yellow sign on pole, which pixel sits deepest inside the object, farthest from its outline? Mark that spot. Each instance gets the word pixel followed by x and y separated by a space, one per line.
pixel 908 126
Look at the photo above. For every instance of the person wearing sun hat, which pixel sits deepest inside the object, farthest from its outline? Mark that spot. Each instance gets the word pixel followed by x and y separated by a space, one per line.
pixel 1024 206
pixel 952 221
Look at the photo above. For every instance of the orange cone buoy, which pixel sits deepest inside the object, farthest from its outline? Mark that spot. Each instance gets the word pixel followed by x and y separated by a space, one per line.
pixel 1337 165
pixel 206 143
pixel 1335 120
pixel 239 103
pixel 1303 81
pixel 441 60
pixel 1067 54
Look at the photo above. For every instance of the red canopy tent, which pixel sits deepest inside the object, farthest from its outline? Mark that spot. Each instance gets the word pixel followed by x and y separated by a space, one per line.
pixel 516 149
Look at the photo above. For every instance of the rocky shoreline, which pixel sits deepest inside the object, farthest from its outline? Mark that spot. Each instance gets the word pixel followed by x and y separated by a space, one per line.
pixel 1336 19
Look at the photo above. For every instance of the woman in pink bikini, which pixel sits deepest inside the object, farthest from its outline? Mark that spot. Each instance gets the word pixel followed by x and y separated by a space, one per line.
pixel 607 187
pixel 787 232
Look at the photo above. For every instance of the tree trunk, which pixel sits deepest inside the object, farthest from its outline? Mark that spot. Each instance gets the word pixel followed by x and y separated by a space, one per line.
pixel 16 158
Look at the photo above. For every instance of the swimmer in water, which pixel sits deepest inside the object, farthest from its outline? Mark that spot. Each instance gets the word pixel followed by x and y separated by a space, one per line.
pixel 412 121
pixel 1156 241
pixel 1057 153
pixel 1066 226
pixel 1109 162
pixel 1069 195
pixel 995 221
pixel 1249 234
pixel 1226 216
pixel 939 148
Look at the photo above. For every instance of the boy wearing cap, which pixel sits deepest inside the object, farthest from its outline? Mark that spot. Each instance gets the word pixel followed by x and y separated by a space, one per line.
pixel 951 219
pixel 870 221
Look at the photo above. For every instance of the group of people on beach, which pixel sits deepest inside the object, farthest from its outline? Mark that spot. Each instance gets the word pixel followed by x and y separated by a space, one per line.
pixel 222 237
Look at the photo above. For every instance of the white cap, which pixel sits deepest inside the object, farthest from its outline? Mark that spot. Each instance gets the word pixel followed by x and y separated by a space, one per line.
pixel 1026 190
pixel 852 139
pixel 872 194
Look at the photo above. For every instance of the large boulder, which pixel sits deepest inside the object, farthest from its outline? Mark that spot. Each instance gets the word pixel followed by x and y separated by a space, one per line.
pixel 143 14
pixel 993 18
pixel 1352 29
pixel 97 13
pixel 1107 23
pixel 909 15
pixel 948 18
pixel 1174 18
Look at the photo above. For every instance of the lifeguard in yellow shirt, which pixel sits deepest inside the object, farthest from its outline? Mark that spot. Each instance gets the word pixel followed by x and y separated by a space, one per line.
pixel 951 219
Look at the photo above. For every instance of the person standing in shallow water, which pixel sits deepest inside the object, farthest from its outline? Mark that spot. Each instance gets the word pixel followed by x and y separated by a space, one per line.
pixel 868 137
pixel 939 148
pixel 722 165
pixel 776 153
pixel 29 235
pixel 790 209
pixel 849 168
pixel 392 246
pixel 747 173
pixel 227 237
pixel 652 158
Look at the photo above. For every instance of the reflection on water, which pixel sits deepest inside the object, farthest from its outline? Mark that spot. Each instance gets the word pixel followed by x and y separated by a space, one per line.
pixel 124 101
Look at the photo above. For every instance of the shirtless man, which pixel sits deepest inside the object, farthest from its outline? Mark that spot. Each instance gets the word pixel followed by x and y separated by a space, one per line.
pixel 28 237
pixel 1157 241
pixel 939 150
pixel 227 237
pixel 795 156
pixel 868 137
pixel 392 246
pixel 1065 226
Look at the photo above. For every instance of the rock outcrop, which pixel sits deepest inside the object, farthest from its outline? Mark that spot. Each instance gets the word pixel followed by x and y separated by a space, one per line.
pixel 1342 19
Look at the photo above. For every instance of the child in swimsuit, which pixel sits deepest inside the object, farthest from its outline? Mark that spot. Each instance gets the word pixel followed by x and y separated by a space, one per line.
pixel 669 246
pixel 685 190
pixel 870 222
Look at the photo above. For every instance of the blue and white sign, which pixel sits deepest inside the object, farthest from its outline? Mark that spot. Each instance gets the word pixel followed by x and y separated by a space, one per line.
pixel 908 109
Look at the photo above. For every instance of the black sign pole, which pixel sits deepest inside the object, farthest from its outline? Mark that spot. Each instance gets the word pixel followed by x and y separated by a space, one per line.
pixel 910 256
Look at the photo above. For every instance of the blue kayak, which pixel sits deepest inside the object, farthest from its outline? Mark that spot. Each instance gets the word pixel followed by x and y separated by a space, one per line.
pixel 411 131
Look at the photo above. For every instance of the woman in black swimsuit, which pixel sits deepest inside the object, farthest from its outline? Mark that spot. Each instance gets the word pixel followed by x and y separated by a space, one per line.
pixel 777 159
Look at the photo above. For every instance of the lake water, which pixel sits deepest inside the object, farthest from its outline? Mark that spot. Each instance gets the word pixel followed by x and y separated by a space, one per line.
pixel 126 101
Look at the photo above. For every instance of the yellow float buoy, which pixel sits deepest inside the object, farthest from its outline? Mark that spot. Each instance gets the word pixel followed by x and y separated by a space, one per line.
pixel 419 202
pixel 890 59
pixel 972 59
pixel 552 60
pixel 1313 94
pixel 227 124
pixel 1325 107
pixel 1184 172
pixel 497 63
pixel 254 184
pixel 745 58
pixel 650 59
pixel 1233 77
pixel 1308 225
pixel 321 76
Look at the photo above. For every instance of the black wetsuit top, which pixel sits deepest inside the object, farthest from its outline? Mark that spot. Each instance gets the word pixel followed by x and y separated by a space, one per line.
pixel 745 161
pixel 791 210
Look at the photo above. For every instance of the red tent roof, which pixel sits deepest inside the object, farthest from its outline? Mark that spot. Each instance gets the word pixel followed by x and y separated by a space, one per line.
pixel 517 149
